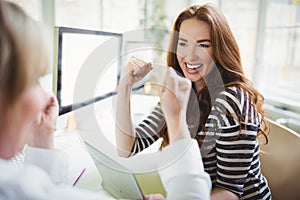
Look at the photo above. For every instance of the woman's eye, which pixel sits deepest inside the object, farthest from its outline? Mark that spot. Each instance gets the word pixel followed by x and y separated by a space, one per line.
pixel 203 45
pixel 183 44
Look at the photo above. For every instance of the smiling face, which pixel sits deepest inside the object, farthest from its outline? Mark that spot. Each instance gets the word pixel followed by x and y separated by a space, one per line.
pixel 194 50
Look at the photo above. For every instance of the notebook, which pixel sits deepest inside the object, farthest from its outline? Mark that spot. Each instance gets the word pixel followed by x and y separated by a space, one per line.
pixel 122 183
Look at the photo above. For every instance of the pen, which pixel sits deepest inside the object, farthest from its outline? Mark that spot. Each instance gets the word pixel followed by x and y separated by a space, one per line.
pixel 77 179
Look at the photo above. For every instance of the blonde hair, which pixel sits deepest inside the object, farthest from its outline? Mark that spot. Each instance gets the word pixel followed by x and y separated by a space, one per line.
pixel 23 53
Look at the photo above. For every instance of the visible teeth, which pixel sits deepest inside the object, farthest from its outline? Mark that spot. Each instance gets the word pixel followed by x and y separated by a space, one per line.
pixel 193 66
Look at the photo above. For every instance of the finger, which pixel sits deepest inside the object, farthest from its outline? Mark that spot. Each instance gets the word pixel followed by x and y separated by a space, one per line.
pixel 52 106
pixel 154 197
pixel 136 67
pixel 143 70
pixel 133 67
pixel 148 67
pixel 138 61
pixel 147 197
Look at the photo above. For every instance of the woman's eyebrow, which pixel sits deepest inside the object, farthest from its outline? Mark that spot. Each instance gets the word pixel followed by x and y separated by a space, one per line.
pixel 198 41
pixel 203 40
pixel 183 39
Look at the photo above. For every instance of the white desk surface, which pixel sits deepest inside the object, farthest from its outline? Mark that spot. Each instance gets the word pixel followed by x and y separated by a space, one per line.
pixel 79 158
pixel 69 142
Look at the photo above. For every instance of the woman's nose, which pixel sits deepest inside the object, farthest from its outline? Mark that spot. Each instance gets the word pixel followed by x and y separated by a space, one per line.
pixel 192 54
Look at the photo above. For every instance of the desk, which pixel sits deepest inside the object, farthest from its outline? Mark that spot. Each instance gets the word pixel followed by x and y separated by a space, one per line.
pixel 70 143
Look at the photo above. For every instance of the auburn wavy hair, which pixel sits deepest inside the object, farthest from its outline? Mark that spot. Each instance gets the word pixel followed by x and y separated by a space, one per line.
pixel 228 67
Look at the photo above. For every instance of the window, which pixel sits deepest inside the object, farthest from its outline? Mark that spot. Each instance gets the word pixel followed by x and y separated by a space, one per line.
pixel 278 75
pixel 78 14
pixel 31 7
pixel 244 28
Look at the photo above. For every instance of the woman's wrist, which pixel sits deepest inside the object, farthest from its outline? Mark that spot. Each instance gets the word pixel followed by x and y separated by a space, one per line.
pixel 125 84
pixel 177 129
pixel 179 134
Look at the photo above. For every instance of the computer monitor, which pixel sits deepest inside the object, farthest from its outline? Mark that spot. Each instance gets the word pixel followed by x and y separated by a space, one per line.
pixel 81 54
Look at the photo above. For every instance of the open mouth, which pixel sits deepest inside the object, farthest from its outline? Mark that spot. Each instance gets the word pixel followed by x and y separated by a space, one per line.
pixel 193 66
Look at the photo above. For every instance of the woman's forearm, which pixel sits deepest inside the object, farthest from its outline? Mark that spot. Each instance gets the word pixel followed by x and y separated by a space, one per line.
pixel 136 69
pixel 124 128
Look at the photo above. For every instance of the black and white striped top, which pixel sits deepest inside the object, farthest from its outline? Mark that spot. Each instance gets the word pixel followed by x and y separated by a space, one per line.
pixel 230 149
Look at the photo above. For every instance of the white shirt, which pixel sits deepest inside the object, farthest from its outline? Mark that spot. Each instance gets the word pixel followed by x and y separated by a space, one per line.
pixel 41 177
pixel 182 171
pixel 44 171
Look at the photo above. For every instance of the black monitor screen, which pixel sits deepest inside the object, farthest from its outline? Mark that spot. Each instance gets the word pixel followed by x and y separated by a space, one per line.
pixel 87 66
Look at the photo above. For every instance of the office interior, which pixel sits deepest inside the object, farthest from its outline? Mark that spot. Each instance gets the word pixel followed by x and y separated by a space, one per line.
pixel 267 31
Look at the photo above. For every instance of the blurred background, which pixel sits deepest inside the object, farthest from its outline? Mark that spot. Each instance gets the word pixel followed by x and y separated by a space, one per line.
pixel 267 31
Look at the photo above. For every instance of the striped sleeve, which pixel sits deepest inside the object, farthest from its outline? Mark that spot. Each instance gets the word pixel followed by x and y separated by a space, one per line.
pixel 237 127
pixel 146 131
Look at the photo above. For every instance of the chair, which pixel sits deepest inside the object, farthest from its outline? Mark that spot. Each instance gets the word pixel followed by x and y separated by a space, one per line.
pixel 280 162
